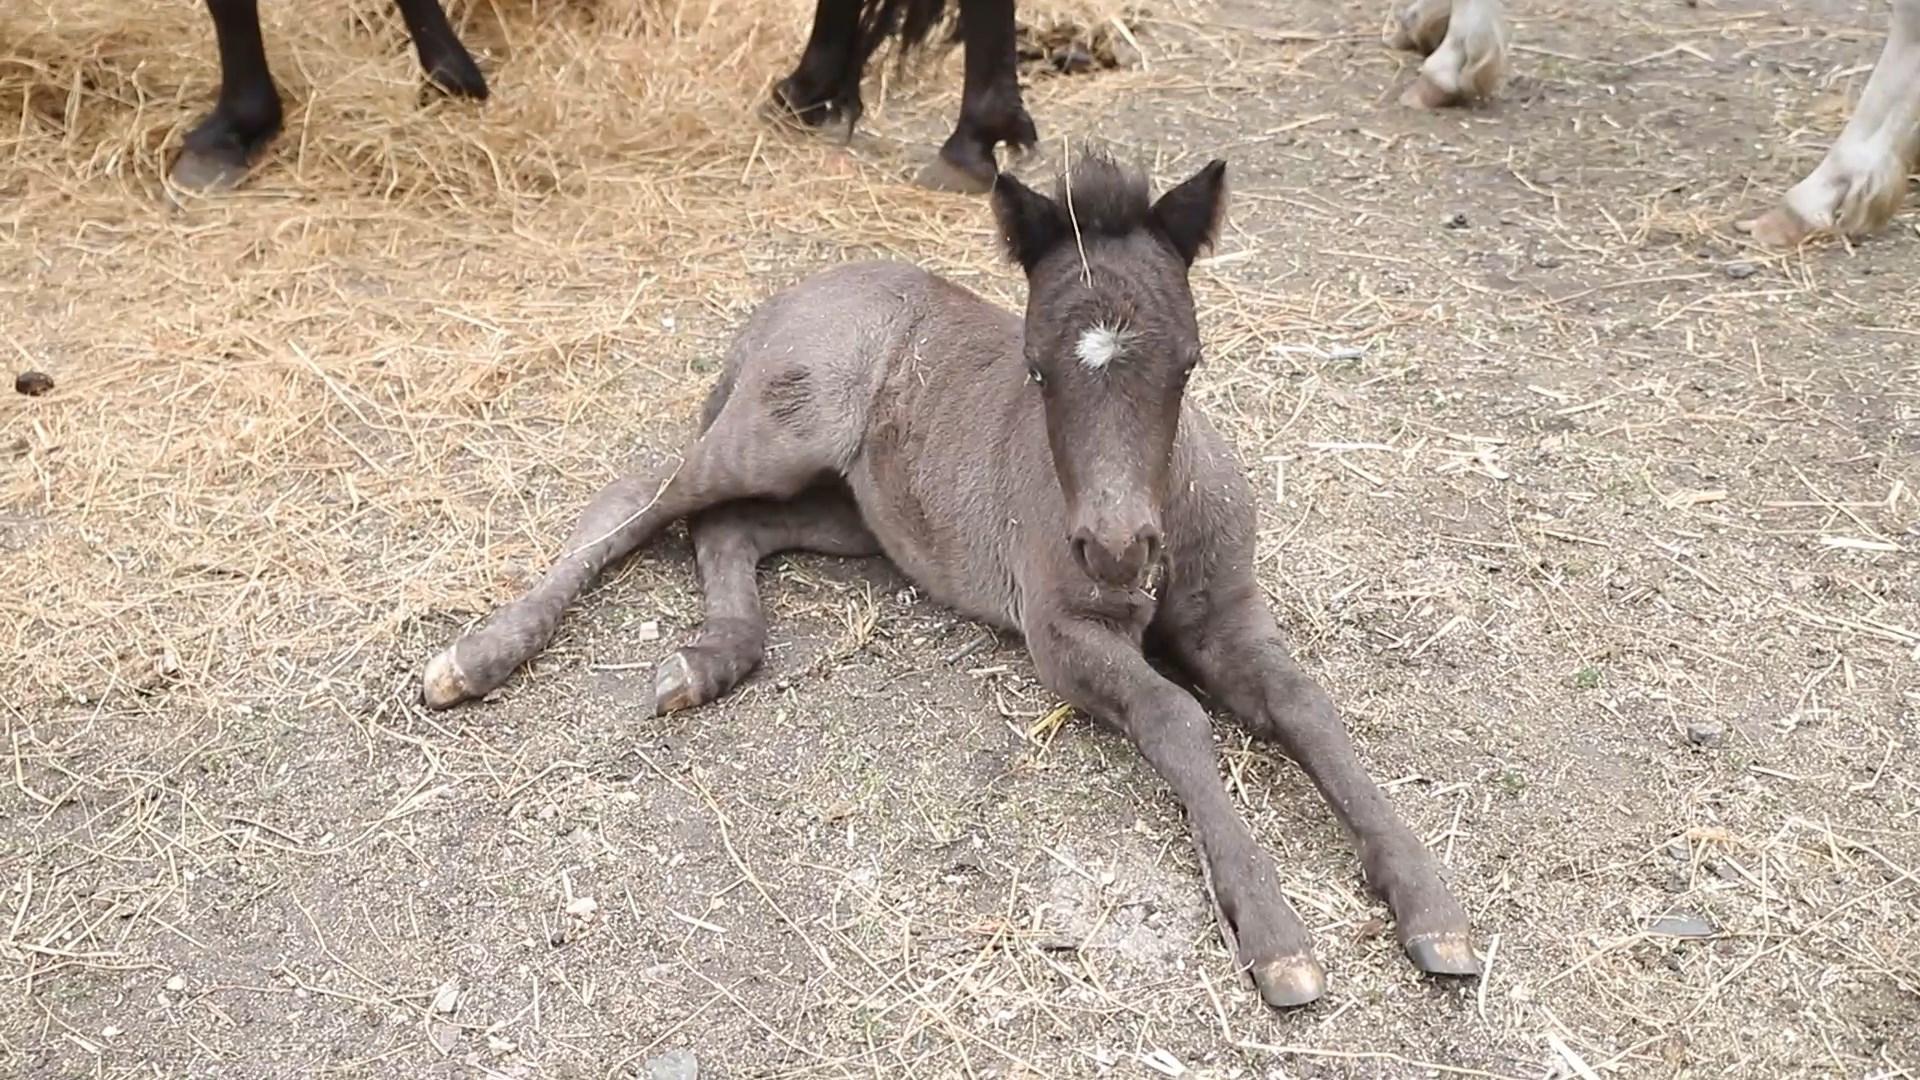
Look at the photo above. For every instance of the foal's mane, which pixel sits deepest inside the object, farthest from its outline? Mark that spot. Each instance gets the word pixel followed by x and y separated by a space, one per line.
pixel 1107 198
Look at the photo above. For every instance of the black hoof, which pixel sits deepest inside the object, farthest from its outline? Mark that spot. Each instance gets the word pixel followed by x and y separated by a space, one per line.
pixel 1290 982
pixel 1443 953
pixel 799 102
pixel 458 76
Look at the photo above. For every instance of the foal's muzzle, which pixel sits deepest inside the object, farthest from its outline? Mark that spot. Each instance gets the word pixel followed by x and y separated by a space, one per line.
pixel 1117 557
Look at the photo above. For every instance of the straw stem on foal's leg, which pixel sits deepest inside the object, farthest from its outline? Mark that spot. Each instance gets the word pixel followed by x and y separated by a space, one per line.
pixel 1106 675
pixel 1234 650
pixel 728 543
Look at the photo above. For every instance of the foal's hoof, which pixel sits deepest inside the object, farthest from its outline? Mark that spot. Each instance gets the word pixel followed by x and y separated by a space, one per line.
pixel 1444 953
pixel 1290 982
pixel 674 687
pixel 444 685
pixel 1779 227
pixel 211 171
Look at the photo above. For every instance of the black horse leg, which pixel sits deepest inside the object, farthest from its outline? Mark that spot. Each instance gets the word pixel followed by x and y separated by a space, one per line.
pixel 991 111
pixel 825 85
pixel 246 116
pixel 442 56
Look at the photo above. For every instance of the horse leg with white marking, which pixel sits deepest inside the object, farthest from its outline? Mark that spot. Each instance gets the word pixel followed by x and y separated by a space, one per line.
pixel 1863 179
pixel 1465 43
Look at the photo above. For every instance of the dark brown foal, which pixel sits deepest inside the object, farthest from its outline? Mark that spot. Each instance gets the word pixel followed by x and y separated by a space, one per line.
pixel 1046 476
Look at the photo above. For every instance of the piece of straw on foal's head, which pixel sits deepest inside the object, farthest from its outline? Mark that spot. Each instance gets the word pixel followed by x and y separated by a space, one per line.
pixel 1099 197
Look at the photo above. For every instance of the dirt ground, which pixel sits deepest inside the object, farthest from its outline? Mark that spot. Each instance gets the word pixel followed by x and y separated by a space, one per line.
pixel 1600 526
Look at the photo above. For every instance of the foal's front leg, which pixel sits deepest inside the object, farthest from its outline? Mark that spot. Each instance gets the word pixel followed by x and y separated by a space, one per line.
pixel 1103 673
pixel 1226 638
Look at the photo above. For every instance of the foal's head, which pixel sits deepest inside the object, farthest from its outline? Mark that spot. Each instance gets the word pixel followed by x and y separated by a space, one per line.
pixel 1110 341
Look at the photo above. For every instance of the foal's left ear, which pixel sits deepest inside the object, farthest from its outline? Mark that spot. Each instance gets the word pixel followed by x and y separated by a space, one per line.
pixel 1030 223
pixel 1190 213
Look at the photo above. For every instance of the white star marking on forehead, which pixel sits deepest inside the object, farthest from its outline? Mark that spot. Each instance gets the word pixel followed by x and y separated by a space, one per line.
pixel 1101 344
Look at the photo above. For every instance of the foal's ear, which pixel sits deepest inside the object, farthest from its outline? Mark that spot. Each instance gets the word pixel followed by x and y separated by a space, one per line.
pixel 1190 213
pixel 1030 223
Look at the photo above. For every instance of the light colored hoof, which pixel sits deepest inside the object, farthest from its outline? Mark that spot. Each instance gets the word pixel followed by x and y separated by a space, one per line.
pixel 1290 982
pixel 942 175
pixel 443 686
pixel 204 172
pixel 1779 227
pixel 1446 953
pixel 673 687
pixel 1427 94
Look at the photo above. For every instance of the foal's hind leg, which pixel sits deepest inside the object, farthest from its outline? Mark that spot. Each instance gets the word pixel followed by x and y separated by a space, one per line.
pixel 1225 637
pixel 728 543
pixel 745 453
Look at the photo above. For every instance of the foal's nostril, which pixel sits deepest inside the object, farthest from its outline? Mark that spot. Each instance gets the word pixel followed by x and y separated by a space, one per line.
pixel 1080 552
pixel 1153 545
pixel 1149 536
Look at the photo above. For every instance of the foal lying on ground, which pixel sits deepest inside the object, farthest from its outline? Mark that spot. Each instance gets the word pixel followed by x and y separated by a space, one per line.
pixel 1048 479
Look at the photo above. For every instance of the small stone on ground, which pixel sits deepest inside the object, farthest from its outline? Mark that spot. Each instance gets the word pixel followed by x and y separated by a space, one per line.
pixel 672 1065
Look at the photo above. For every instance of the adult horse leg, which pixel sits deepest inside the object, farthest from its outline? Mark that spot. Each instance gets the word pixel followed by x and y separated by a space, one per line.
pixel 991 110
pixel 245 117
pixel 728 543
pixel 1104 674
pixel 825 84
pixel 442 56
pixel 1863 179
pixel 1224 636
pixel 1465 43
pixel 745 452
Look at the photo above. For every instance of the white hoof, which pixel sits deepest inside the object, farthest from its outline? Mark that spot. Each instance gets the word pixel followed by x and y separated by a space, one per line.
pixel 444 685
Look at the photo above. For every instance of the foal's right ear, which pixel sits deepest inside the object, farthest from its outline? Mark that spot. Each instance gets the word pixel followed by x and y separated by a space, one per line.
pixel 1030 223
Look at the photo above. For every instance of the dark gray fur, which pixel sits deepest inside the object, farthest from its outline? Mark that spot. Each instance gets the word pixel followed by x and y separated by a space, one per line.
pixel 875 407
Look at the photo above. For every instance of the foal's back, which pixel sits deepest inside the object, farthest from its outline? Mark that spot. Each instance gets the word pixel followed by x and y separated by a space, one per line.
pixel 916 382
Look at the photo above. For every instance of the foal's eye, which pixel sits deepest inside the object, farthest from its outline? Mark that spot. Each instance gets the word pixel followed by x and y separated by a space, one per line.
pixel 1034 376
